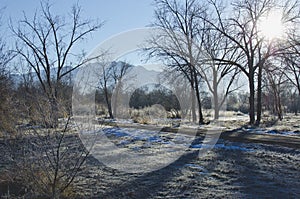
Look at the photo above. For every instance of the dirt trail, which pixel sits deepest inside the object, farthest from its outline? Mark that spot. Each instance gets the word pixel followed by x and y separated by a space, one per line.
pixel 236 135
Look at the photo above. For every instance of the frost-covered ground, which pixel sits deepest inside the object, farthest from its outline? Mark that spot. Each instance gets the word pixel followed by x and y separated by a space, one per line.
pixel 229 170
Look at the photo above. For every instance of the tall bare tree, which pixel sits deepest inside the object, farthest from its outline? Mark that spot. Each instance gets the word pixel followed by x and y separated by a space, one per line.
pixel 118 72
pixel 276 82
pixel 111 77
pixel 47 44
pixel 178 44
pixel 104 72
pixel 219 77
pixel 240 26
pixel 291 59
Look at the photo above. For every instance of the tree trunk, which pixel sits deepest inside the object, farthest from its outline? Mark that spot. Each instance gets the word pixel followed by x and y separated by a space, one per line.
pixel 251 99
pixel 108 102
pixel 55 194
pixel 217 112
pixel 201 119
pixel 259 94
pixel 53 123
pixel 194 117
pixel 115 98
pixel 277 102
pixel 280 114
pixel 216 97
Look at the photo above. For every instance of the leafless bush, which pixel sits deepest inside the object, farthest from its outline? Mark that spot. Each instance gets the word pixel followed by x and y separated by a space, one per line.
pixel 46 161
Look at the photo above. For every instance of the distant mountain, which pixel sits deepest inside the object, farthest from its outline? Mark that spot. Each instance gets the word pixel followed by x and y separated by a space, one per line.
pixel 140 76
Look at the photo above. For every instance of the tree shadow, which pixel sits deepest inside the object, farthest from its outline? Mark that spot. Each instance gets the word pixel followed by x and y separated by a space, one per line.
pixel 262 171
pixel 253 170
pixel 149 184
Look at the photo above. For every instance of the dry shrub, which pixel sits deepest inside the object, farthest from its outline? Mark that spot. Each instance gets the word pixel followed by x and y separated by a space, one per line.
pixel 138 116
pixel 148 115
pixel 46 162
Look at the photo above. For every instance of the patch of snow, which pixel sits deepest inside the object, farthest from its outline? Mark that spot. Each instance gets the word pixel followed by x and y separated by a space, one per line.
pixel 232 146
pixel 139 138
pixel 115 132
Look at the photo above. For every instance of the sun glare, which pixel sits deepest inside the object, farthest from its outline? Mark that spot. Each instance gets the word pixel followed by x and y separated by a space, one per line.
pixel 271 26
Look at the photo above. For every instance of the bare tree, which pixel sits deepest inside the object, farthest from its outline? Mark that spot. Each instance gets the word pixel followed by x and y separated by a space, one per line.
pixel 47 44
pixel 105 82
pixel 118 72
pixel 218 75
pixel 48 160
pixel 111 77
pixel 241 28
pixel 291 59
pixel 177 45
pixel 275 82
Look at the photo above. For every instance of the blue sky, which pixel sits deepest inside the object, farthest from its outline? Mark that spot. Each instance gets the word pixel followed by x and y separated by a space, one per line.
pixel 120 15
